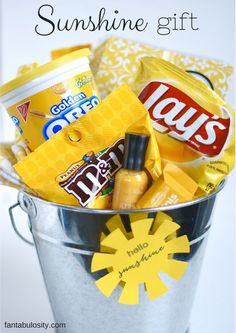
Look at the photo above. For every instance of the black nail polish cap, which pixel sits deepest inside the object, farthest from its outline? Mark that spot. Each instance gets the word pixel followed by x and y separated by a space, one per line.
pixel 135 150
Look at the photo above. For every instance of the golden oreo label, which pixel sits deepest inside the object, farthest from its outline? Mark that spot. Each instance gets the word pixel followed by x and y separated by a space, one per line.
pixel 42 100
pixel 45 113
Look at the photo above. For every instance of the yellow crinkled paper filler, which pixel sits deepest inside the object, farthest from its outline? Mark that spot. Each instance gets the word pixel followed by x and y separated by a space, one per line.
pixel 77 164
pixel 194 127
pixel 116 61
pixel 8 176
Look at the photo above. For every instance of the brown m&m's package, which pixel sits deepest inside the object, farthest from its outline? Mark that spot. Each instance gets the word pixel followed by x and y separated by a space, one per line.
pixel 194 127
pixel 76 166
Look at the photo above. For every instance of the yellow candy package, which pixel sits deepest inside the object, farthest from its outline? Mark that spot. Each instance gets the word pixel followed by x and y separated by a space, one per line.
pixel 76 166
pixel 194 127
pixel 175 186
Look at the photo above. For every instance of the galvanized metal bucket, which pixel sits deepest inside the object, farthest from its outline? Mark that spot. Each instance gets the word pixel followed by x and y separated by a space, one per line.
pixel 66 239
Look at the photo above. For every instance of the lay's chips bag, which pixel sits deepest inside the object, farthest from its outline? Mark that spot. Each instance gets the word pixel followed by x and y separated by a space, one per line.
pixel 76 165
pixel 194 127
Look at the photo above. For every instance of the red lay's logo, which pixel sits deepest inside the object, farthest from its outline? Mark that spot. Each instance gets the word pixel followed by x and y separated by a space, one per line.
pixel 23 110
pixel 175 113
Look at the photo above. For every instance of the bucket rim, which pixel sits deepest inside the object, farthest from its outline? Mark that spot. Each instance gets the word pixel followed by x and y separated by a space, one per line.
pixel 124 211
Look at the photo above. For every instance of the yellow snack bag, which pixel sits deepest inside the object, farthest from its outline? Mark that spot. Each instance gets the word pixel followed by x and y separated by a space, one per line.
pixel 76 165
pixel 175 186
pixel 194 127
pixel 116 61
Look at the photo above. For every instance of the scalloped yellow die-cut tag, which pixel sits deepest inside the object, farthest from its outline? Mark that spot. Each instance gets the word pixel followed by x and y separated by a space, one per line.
pixel 139 260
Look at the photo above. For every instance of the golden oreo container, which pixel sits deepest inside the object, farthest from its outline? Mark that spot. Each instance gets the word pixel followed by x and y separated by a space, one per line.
pixel 49 97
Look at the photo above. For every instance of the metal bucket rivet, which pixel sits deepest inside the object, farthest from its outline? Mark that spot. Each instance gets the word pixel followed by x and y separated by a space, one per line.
pixel 27 204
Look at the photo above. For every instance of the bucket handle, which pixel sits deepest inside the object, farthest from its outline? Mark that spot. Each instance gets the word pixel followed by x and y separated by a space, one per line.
pixel 10 210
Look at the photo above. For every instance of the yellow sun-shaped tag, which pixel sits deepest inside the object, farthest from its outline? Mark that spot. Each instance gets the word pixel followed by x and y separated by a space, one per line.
pixel 137 257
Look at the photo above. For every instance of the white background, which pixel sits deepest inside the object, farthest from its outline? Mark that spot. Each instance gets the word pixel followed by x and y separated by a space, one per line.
pixel 23 297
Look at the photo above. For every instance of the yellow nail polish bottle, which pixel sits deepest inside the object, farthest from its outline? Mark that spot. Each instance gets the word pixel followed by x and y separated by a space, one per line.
pixel 131 181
